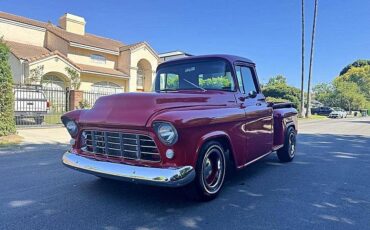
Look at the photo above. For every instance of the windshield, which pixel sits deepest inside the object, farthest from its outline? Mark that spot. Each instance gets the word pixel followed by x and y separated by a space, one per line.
pixel 202 75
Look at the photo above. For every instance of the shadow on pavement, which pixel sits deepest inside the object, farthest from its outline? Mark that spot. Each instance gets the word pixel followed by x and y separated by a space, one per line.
pixel 326 185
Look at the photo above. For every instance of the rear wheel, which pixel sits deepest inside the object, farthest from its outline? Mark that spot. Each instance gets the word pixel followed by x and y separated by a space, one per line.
pixel 210 172
pixel 287 152
pixel 39 120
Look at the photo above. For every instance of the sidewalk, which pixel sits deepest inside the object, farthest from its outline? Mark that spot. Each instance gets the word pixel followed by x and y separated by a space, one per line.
pixel 55 135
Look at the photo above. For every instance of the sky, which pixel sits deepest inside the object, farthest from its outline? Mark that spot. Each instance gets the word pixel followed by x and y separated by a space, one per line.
pixel 268 31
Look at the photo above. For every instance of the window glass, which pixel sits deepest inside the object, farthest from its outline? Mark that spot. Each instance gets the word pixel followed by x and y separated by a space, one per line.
pixel 106 87
pixel 239 78
pixel 248 81
pixel 140 78
pixel 169 81
pixel 202 75
pixel 53 82
pixel 97 58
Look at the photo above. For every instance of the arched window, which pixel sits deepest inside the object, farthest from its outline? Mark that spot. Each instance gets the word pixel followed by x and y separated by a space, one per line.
pixel 97 58
pixel 107 87
pixel 140 78
pixel 54 82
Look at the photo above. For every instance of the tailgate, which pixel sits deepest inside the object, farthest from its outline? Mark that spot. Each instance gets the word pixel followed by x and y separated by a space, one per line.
pixel 30 101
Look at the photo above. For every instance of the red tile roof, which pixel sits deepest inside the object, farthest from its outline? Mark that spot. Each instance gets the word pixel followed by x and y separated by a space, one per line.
pixel 33 53
pixel 20 19
pixel 87 39
pixel 25 51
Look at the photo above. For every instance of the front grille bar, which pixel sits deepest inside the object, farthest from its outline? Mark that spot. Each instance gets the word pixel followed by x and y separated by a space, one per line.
pixel 118 144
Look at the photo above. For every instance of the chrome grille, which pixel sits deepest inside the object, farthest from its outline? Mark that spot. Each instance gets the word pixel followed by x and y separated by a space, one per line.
pixel 117 144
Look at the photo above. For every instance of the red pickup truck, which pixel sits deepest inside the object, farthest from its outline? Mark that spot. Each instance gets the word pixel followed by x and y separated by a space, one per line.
pixel 205 116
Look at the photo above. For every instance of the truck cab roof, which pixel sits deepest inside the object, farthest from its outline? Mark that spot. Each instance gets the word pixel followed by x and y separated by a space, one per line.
pixel 227 57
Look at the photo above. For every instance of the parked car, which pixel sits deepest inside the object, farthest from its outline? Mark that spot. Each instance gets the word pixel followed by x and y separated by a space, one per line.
pixel 206 116
pixel 323 111
pixel 30 102
pixel 338 113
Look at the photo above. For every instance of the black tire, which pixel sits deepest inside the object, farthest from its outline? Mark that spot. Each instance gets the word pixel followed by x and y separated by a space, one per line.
pixel 287 152
pixel 208 184
pixel 39 120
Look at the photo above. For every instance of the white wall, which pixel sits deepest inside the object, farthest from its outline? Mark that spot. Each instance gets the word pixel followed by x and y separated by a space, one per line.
pixel 136 55
pixel 22 33
pixel 83 56
pixel 16 68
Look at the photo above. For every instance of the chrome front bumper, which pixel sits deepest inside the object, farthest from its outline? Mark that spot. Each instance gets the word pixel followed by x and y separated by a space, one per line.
pixel 167 177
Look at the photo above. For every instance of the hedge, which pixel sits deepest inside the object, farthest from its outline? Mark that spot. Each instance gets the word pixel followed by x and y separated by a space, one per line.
pixel 7 123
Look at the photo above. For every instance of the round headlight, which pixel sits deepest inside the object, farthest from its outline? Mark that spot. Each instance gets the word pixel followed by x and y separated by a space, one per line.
pixel 72 127
pixel 166 133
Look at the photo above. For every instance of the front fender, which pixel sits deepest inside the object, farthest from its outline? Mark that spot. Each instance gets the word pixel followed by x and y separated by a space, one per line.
pixel 196 126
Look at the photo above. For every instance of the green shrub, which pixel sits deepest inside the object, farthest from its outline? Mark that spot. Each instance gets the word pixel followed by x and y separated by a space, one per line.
pixel 7 123
pixel 84 104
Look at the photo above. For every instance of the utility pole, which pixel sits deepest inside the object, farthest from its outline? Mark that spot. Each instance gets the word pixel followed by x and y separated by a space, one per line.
pixel 302 74
pixel 308 111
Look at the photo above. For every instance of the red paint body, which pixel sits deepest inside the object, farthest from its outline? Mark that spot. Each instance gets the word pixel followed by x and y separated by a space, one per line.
pixel 251 127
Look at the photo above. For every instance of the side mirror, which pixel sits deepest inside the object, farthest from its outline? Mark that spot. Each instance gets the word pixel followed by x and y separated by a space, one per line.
pixel 252 94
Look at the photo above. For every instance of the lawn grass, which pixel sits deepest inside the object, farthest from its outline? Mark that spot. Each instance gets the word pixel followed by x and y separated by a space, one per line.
pixel 10 140
pixel 53 119
pixel 314 117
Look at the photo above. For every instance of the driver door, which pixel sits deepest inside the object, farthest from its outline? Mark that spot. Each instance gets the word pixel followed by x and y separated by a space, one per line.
pixel 258 124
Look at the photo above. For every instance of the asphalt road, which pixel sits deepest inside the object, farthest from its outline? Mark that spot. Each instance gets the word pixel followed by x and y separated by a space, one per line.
pixel 327 186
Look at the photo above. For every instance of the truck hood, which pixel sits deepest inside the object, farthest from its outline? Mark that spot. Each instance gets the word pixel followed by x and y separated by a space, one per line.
pixel 134 109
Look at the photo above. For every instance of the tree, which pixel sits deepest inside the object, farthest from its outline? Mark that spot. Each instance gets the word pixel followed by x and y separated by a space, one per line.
pixel 7 123
pixel 35 76
pixel 361 77
pixel 277 90
pixel 349 95
pixel 350 91
pixel 278 79
pixel 308 110
pixel 75 78
pixel 358 63
pixel 325 93
pixel 302 74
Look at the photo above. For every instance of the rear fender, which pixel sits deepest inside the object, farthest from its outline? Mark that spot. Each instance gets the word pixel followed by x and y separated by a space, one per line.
pixel 283 119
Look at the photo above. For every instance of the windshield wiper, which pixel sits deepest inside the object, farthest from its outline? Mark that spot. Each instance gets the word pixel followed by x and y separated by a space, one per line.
pixel 197 86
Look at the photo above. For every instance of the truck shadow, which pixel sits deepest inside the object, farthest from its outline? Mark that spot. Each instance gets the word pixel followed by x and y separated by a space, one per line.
pixel 325 185
pixel 323 163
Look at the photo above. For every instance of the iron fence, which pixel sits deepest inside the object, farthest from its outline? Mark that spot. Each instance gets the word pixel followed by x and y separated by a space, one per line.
pixel 35 105
pixel 89 97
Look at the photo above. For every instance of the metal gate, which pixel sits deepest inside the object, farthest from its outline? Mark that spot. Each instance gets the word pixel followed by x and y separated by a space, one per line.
pixel 35 105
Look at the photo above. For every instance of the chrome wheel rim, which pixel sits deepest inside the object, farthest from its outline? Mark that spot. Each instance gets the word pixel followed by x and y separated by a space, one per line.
pixel 292 144
pixel 213 169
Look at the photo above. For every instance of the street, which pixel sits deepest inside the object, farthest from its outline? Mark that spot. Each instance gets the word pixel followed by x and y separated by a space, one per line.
pixel 325 187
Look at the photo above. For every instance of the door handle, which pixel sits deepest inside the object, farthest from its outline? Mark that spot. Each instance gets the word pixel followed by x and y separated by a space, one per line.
pixel 258 104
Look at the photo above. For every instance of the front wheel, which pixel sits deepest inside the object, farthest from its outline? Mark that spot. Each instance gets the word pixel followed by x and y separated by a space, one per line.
pixel 210 171
pixel 287 152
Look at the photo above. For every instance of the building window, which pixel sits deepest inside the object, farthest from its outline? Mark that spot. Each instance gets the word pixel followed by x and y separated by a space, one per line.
pixel 97 58
pixel 106 87
pixel 53 82
pixel 140 78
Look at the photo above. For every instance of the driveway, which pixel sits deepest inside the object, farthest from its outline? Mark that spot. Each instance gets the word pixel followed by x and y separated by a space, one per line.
pixel 49 135
pixel 325 187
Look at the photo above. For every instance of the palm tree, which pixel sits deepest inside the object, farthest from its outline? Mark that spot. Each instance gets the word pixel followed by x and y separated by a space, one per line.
pixel 308 111
pixel 302 76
